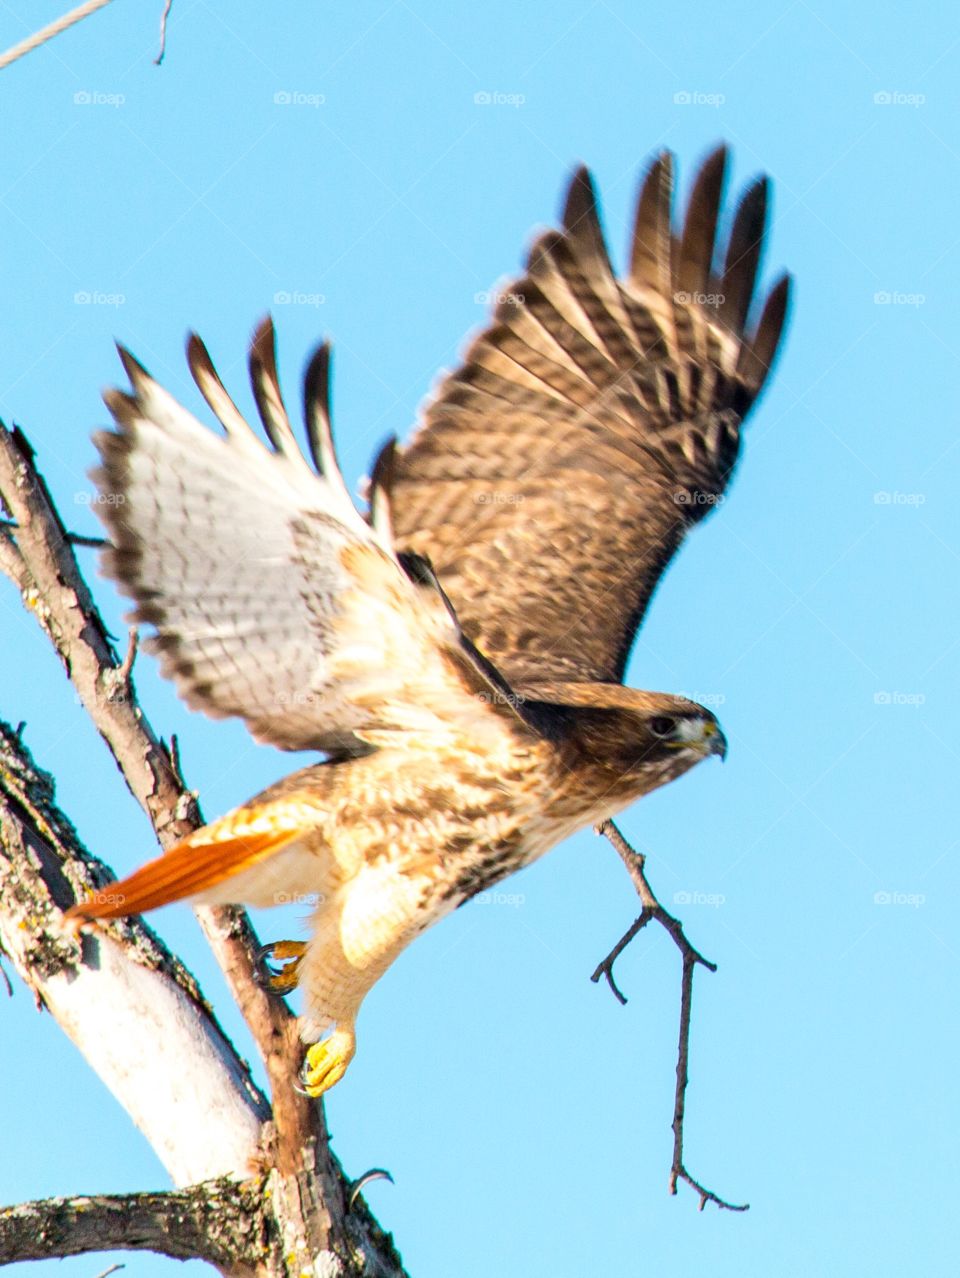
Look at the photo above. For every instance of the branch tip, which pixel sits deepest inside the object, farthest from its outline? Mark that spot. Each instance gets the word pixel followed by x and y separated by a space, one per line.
pixel 653 911
pixel 158 60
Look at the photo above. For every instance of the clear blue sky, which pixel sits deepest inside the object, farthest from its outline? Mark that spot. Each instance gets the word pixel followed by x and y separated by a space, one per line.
pixel 523 1113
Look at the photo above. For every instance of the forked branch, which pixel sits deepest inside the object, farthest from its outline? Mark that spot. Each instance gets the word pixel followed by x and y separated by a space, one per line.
pixel 653 911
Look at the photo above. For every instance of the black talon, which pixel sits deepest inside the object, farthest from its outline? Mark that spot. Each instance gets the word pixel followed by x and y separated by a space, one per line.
pixel 375 1173
pixel 284 978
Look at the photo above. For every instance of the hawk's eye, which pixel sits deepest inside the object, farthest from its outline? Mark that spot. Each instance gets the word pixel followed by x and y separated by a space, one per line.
pixel 662 725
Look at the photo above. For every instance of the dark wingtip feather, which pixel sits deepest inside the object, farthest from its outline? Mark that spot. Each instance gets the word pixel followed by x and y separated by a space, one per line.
pixel 580 197
pixel 581 217
pixel 381 483
pixel 744 250
pixel 210 386
pixel 544 245
pixel 383 467
pixel 650 244
pixel 316 378
pixel 264 339
pixel 698 242
pixel 759 352
pixel 316 404
pixel 265 381
pixel 132 366
pixel 123 409
pixel 716 159
pixel 198 358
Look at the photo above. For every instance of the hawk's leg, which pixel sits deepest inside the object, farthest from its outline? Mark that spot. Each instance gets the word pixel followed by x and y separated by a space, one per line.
pixel 326 1062
pixel 280 980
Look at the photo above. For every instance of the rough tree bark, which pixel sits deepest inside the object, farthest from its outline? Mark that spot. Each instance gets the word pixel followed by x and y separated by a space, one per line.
pixel 259 1191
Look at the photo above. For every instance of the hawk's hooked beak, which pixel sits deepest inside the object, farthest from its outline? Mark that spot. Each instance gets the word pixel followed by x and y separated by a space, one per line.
pixel 715 740
pixel 702 735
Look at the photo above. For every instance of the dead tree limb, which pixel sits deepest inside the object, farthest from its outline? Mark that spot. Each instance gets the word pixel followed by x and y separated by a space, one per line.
pixel 41 561
pixel 186 1089
pixel 50 30
pixel 653 911
pixel 208 1222
pixel 305 1200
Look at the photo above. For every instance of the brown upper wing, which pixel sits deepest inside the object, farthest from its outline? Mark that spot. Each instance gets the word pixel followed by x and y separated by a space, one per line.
pixel 554 474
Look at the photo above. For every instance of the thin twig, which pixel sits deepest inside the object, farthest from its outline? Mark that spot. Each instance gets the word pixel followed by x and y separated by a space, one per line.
pixel 75 539
pixel 173 750
pixel 653 911
pixel 52 29
pixel 126 667
pixel 163 32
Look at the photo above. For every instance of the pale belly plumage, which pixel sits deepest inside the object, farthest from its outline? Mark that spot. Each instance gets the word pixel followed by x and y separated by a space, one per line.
pixel 412 841
pixel 390 843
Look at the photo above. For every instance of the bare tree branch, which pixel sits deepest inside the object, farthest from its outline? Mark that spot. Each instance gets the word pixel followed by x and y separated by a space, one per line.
pixel 653 911
pixel 50 30
pixel 75 539
pixel 207 1222
pixel 186 1089
pixel 305 1201
pixel 42 564
pixel 158 60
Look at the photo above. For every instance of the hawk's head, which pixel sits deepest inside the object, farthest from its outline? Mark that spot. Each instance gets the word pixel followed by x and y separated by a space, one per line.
pixel 633 741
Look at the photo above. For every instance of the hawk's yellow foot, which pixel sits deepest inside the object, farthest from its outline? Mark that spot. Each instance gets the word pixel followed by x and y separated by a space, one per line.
pixel 284 979
pixel 326 1062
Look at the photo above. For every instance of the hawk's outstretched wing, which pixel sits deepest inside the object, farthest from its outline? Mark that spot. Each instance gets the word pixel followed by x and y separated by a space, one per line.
pixel 596 419
pixel 272 598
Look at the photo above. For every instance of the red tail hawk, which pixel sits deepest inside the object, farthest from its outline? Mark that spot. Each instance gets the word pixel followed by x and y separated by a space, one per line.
pixel 456 653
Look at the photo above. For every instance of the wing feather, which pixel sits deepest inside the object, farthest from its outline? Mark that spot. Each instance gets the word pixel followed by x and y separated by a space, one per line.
pixel 743 256
pixel 651 246
pixel 554 473
pixel 271 596
pixel 697 247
